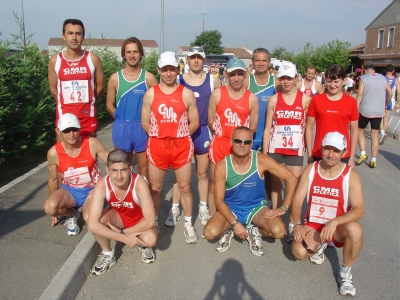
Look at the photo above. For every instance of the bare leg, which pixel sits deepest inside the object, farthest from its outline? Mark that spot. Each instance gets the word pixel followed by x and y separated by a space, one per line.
pixel 142 163
pixel 211 203
pixel 374 142
pixel 351 234
pixel 183 178
pixel 156 178
pixel 202 163
pixel 361 139
pixel 216 226
pixel 271 227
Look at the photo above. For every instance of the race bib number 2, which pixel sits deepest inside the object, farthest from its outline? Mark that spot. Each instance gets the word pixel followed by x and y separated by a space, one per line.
pixel 75 91
pixel 288 137
pixel 322 209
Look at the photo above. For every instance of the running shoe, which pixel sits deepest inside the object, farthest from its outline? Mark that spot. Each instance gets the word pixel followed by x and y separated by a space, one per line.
pixel 72 224
pixel 290 234
pixel 372 164
pixel 147 254
pixel 255 245
pixel 102 264
pixel 346 286
pixel 204 214
pixel 190 235
pixel 225 241
pixel 382 139
pixel 319 257
pixel 361 159
pixel 173 217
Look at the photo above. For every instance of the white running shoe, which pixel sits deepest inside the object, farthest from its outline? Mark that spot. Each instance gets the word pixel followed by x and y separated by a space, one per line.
pixel 204 214
pixel 147 254
pixel 72 224
pixel 173 217
pixel 382 139
pixel 255 242
pixel 225 241
pixel 319 257
pixel 102 264
pixel 191 235
pixel 346 286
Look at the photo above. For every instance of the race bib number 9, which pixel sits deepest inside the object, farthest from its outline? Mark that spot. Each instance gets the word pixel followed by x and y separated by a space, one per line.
pixel 322 209
pixel 75 91
pixel 288 137
pixel 78 177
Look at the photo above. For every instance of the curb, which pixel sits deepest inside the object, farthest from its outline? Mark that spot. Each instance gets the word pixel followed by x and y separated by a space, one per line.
pixel 69 279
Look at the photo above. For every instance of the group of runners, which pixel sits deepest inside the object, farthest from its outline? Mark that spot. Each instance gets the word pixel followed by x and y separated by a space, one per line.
pixel 253 133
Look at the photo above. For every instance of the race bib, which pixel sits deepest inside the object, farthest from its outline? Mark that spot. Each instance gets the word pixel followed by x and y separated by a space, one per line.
pixel 322 209
pixel 78 177
pixel 75 91
pixel 288 137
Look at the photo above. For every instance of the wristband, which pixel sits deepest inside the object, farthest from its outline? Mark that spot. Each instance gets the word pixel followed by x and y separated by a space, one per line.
pixel 122 231
pixel 234 223
pixel 297 223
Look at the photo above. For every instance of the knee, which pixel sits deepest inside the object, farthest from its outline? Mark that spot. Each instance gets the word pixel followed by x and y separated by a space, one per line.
pixel 155 188
pixel 50 207
pixel 202 176
pixel 150 238
pixel 298 251
pixel 210 232
pixel 354 231
pixel 278 231
pixel 184 189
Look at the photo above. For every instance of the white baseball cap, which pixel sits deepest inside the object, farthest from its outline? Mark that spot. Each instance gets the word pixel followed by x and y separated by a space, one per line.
pixel 335 139
pixel 67 121
pixel 168 58
pixel 287 69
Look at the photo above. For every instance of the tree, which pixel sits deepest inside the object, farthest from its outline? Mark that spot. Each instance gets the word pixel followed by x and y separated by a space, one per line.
pixel 149 63
pixel 210 40
pixel 282 53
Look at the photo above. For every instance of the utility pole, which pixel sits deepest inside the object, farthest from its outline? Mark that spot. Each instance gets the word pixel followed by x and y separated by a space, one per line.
pixel 204 14
pixel 162 28
pixel 23 22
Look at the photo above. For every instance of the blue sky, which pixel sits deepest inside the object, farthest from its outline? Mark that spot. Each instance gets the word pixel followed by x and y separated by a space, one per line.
pixel 252 23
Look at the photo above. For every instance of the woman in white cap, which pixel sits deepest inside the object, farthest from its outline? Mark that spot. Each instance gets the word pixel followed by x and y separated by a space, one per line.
pixel 283 138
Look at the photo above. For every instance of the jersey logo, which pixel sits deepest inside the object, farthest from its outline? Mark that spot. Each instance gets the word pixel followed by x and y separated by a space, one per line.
pixel 321 190
pixel 168 113
pixel 232 117
pixel 72 71
pixel 289 114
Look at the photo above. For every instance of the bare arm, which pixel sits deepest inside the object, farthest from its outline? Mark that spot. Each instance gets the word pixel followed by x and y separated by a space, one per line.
pixel 147 100
pixel 389 94
pixel 309 136
pixel 97 149
pixel 268 122
pixel 111 94
pixel 151 80
pixel 52 76
pixel 306 102
pixel 217 83
pixel 353 141
pixel 360 92
pixel 319 87
pixel 193 114
pixel 98 75
pixel 253 112
pixel 398 91
pixel 212 107
pixel 52 159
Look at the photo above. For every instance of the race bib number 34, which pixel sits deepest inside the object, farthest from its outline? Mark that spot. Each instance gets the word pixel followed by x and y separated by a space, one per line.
pixel 288 137
pixel 75 91
pixel 322 209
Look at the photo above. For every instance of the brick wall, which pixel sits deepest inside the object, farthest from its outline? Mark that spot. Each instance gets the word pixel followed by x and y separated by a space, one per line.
pixel 372 40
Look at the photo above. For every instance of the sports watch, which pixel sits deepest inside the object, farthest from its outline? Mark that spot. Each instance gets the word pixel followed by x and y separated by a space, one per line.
pixel 283 208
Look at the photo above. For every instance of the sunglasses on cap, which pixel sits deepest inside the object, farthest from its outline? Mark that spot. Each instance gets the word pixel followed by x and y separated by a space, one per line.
pixel 196 49
pixel 311 251
pixel 238 141
pixel 69 129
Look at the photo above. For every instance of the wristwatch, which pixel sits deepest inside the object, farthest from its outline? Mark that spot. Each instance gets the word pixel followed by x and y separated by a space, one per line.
pixel 283 208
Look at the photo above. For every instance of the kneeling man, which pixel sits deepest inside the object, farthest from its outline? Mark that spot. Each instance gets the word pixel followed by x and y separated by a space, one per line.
pixel 335 203
pixel 240 196
pixel 130 217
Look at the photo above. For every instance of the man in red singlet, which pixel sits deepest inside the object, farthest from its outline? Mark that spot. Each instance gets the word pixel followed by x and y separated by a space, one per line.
pixel 74 160
pixel 230 106
pixel 335 203
pixel 309 85
pixel 130 217
pixel 170 117
pixel 76 78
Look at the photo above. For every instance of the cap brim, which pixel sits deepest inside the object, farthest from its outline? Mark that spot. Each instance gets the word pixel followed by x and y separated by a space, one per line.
pixel 234 69
pixel 202 54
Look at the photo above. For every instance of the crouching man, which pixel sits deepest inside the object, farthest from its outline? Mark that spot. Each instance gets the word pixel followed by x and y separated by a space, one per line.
pixel 130 217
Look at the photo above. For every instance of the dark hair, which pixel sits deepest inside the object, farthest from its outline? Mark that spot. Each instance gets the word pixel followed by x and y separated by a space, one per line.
pixel 74 22
pixel 389 68
pixel 270 67
pixel 311 67
pixel 132 40
pixel 260 50
pixel 335 72
pixel 118 156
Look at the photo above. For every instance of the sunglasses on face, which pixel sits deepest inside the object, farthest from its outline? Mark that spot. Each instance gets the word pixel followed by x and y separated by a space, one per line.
pixel 311 251
pixel 238 141
pixel 196 49
pixel 68 130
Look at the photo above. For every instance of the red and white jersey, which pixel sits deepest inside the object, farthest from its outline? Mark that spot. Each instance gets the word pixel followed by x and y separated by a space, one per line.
pixel 230 113
pixel 287 131
pixel 327 198
pixel 75 86
pixel 308 91
pixel 168 114
pixel 81 171
pixel 129 206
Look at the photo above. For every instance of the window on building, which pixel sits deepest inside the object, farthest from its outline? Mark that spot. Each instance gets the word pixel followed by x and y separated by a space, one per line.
pixel 380 38
pixel 390 42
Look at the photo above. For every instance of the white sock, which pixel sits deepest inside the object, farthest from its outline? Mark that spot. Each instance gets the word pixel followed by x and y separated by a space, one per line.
pixel 373 159
pixel 291 225
pixel 345 269
pixel 362 153
pixel 382 132
pixel 202 203
pixel 175 205
pixel 109 253
pixel 188 220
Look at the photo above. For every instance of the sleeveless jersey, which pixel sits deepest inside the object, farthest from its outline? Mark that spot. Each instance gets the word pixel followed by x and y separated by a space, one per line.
pixel 263 92
pixel 373 98
pixel 129 206
pixel 308 91
pixel 202 94
pixel 287 132
pixel 168 114
pixel 327 198
pixel 75 86
pixel 129 98
pixel 81 171
pixel 246 191
pixel 392 84
pixel 228 115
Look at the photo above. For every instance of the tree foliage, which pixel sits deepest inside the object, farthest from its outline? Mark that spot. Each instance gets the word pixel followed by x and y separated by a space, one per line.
pixel 149 63
pixel 210 40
